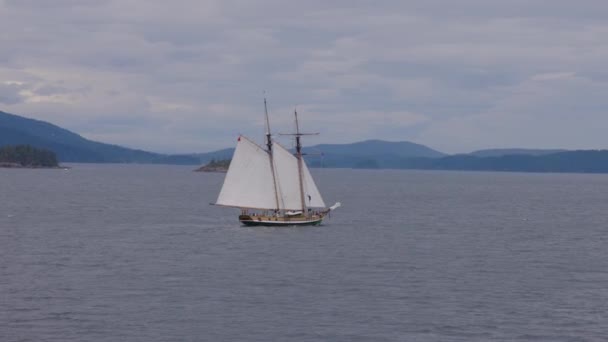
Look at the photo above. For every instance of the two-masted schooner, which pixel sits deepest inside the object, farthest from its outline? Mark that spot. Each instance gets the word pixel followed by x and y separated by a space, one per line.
pixel 272 186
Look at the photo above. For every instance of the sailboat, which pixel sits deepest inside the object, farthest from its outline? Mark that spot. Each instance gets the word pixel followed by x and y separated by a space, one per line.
pixel 272 186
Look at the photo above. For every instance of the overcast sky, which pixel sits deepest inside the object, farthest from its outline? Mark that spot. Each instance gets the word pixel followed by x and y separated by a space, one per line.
pixel 189 75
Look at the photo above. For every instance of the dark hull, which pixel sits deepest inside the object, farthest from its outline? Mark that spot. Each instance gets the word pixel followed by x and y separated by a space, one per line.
pixel 281 222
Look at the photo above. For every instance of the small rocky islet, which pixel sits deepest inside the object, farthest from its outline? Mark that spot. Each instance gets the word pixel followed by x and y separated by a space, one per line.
pixel 215 166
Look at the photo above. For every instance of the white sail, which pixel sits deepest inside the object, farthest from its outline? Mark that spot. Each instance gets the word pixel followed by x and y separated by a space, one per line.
pixel 288 183
pixel 287 177
pixel 312 195
pixel 248 183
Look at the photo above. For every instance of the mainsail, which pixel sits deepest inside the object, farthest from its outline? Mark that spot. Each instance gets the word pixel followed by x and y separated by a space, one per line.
pixel 248 183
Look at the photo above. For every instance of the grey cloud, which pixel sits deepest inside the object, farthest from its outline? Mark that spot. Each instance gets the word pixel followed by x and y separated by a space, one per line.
pixel 48 89
pixel 195 70
pixel 560 110
pixel 55 4
pixel 10 94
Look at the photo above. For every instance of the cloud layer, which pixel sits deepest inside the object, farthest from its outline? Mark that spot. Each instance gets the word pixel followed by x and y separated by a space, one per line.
pixel 186 75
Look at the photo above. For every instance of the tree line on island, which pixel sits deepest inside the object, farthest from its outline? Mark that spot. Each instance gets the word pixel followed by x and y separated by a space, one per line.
pixel 27 156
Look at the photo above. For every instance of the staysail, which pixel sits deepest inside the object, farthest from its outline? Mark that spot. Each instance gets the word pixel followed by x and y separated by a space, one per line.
pixel 312 196
pixel 248 183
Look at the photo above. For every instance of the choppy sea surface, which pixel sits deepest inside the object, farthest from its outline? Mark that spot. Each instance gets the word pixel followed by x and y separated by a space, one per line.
pixel 135 253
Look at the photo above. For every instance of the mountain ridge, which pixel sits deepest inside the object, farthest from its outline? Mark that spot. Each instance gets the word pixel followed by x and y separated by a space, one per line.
pixel 72 147
pixel 69 146
pixel 497 152
pixel 370 154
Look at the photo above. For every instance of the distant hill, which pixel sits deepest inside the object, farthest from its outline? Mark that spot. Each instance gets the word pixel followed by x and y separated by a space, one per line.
pixel 364 154
pixel 367 154
pixel 71 147
pixel 497 152
pixel 379 147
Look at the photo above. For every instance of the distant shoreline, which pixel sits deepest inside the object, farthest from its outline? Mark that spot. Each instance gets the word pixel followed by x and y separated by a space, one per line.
pixel 5 165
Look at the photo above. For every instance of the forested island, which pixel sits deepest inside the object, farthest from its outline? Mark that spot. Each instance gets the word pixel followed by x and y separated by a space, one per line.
pixel 215 166
pixel 26 156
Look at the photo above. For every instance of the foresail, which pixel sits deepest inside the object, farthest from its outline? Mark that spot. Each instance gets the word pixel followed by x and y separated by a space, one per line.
pixel 311 193
pixel 248 182
pixel 286 174
pixel 288 183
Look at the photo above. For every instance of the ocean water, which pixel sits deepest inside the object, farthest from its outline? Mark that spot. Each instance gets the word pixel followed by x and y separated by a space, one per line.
pixel 135 253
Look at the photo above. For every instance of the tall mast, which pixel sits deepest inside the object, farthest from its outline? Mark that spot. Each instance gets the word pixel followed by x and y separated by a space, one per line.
pixel 268 135
pixel 269 147
pixel 299 156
